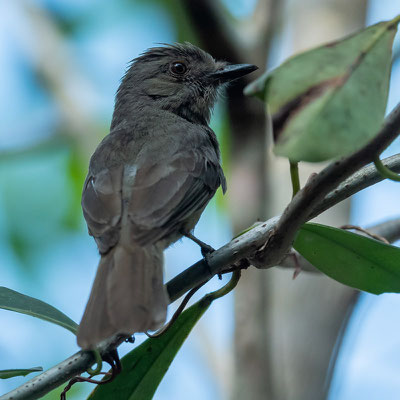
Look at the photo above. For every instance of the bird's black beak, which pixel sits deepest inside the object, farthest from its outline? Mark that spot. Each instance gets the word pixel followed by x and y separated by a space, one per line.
pixel 231 72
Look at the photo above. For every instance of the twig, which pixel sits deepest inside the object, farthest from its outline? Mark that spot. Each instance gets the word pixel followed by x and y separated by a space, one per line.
pixel 365 232
pixel 177 313
pixel 249 242
pixel 78 363
pixel 390 230
pixel 362 179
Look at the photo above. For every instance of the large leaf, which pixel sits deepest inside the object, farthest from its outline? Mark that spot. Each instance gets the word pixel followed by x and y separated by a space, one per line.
pixel 330 101
pixel 144 367
pixel 351 259
pixel 18 302
pixel 10 373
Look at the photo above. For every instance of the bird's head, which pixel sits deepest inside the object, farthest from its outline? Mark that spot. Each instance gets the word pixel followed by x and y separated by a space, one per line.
pixel 179 78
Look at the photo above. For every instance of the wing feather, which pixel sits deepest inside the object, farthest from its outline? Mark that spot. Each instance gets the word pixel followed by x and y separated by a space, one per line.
pixel 184 186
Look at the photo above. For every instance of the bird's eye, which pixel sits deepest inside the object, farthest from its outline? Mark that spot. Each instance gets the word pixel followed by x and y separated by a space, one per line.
pixel 178 68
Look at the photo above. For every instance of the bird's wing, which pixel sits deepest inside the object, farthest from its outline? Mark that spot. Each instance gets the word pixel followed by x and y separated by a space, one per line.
pixel 165 195
pixel 102 206
pixel 162 197
pixel 158 190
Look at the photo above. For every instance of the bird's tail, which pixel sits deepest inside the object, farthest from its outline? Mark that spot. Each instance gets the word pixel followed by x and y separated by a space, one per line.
pixel 127 296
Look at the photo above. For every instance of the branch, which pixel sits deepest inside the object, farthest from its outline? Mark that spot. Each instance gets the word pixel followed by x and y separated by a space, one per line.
pixel 248 243
pixel 365 177
pixel 78 363
pixel 390 230
pixel 318 195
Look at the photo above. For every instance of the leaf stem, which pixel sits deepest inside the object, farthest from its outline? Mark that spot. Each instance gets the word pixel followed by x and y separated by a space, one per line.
pixel 227 288
pixel 396 19
pixel 177 313
pixel 294 176
pixel 385 171
pixel 98 362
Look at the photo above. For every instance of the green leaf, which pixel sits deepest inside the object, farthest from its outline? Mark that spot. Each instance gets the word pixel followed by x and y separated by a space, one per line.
pixel 10 373
pixel 144 367
pixel 18 302
pixel 330 101
pixel 351 259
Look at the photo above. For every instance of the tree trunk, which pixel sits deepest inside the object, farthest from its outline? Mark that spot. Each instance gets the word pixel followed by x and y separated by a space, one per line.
pixel 285 330
pixel 288 331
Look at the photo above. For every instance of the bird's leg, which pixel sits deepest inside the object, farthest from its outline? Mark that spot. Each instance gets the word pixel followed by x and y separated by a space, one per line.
pixel 205 248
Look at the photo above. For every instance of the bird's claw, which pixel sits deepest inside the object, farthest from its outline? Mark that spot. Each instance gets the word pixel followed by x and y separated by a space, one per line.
pixel 204 247
pixel 206 250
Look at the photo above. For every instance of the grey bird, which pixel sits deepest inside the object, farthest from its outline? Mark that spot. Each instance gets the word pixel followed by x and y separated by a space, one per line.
pixel 149 181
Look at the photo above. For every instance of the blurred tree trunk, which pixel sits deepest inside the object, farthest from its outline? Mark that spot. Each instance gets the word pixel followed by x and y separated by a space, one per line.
pixel 286 331
pixel 305 317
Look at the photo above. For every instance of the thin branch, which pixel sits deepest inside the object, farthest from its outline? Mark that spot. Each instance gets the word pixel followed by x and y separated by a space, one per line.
pixel 248 243
pixel 390 230
pixel 312 200
pixel 78 363
pixel 365 177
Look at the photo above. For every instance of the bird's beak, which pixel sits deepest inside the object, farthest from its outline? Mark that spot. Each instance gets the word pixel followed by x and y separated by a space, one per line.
pixel 231 72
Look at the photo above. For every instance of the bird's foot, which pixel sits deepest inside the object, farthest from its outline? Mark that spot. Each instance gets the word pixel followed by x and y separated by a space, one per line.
pixel 205 248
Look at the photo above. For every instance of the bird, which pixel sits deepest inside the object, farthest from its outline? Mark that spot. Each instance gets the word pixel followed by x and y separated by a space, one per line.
pixel 148 182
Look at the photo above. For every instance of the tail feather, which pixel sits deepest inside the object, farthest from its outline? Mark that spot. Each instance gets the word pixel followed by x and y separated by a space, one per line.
pixel 128 295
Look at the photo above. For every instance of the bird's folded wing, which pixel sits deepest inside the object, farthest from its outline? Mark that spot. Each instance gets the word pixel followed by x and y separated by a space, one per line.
pixel 102 206
pixel 165 195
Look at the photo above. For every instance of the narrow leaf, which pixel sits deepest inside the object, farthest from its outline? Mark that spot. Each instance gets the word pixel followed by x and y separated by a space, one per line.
pixel 18 302
pixel 10 373
pixel 144 367
pixel 330 101
pixel 351 259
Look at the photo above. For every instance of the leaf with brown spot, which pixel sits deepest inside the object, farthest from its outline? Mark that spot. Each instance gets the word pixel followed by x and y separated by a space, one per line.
pixel 330 101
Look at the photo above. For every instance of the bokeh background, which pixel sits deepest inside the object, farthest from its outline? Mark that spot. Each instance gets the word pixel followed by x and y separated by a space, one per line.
pixel 61 62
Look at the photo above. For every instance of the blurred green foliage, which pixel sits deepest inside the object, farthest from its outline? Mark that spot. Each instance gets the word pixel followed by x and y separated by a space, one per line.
pixel 40 196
